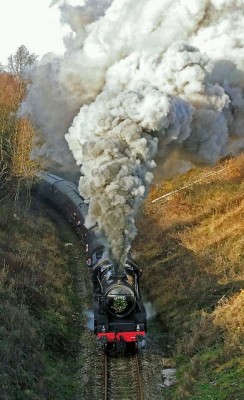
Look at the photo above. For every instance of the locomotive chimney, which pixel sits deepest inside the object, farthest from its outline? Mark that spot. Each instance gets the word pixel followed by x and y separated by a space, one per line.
pixel 119 271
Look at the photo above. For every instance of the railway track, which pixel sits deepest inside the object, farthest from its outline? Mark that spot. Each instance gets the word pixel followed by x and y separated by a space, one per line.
pixel 122 378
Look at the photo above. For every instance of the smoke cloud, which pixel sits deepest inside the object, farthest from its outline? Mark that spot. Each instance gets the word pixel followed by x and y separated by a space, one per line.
pixel 142 81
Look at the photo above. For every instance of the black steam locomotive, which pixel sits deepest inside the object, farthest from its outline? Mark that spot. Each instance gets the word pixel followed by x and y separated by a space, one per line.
pixel 119 314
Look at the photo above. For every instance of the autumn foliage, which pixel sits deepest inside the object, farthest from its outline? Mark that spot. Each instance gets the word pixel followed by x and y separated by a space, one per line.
pixel 16 137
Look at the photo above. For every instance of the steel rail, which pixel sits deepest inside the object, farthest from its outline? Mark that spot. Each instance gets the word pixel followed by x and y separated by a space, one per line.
pixel 105 376
pixel 137 379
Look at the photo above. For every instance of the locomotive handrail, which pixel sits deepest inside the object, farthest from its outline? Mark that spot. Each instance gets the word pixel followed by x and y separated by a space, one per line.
pixel 100 284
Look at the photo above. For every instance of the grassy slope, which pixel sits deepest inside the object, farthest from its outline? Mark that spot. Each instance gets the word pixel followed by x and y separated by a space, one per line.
pixel 192 256
pixel 38 309
pixel 193 272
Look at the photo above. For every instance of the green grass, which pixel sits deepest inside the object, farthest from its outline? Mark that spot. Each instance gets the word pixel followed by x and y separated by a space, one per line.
pixel 223 381
pixel 39 308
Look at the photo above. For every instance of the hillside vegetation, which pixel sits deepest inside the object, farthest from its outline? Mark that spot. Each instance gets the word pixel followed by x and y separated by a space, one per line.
pixel 191 244
pixel 39 307
pixel 39 328
pixel 17 135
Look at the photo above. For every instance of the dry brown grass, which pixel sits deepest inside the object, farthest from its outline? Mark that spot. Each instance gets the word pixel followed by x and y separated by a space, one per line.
pixel 223 221
pixel 229 317
pixel 228 170
pixel 194 250
pixel 204 218
pixel 192 258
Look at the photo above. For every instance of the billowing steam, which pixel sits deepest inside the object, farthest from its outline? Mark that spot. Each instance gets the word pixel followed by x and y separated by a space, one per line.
pixel 119 142
pixel 143 79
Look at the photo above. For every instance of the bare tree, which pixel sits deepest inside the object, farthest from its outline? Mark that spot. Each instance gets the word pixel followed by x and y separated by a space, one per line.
pixel 20 60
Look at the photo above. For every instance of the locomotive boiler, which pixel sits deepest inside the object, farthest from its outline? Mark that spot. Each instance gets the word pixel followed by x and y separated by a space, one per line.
pixel 119 314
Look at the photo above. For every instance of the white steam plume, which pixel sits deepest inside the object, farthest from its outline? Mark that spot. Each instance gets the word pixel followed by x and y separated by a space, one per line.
pixel 149 78
pixel 117 148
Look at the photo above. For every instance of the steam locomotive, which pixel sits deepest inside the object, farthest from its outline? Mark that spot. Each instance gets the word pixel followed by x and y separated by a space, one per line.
pixel 119 314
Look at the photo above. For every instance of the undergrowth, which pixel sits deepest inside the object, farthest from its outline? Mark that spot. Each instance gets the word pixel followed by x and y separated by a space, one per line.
pixel 38 311
pixel 192 259
pixel 17 139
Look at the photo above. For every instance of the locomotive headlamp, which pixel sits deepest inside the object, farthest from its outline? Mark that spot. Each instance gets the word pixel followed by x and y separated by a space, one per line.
pixel 139 338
